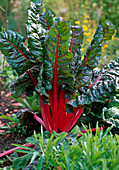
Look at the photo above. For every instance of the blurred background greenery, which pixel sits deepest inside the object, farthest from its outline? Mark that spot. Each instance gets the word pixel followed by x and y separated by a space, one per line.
pixel 13 16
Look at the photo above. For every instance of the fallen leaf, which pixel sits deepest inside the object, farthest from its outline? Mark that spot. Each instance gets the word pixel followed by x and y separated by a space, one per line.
pixel 1 124
pixel 8 94
pixel 6 110
pixel 13 100
pixel 8 135
pixel 16 104
pixel 8 115
pixel 15 110
pixel 2 92
pixel 2 131
pixel 3 104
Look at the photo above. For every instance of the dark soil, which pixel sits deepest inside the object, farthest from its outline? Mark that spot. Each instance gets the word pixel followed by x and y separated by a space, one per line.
pixel 6 142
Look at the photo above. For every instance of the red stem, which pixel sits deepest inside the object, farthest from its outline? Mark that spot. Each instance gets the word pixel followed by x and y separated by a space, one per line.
pixel 38 119
pixel 50 100
pixel 44 114
pixel 12 150
pixel 32 78
pixel 77 113
pixel 47 24
pixel 97 80
pixel 93 130
pixel 55 87
pixel 17 49
pixel 49 119
pixel 84 61
pixel 72 41
pixel 61 109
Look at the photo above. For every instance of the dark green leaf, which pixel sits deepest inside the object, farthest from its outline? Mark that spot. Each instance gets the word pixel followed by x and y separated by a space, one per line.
pixel 75 48
pixel 31 140
pixel 111 116
pixel 11 45
pixel 83 77
pixel 46 19
pixel 34 32
pixel 59 55
pixel 102 91
pixel 104 31
pixel 24 83
pixel 21 161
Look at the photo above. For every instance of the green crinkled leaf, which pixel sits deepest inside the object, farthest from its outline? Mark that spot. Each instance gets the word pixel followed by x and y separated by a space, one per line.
pixel 59 56
pixel 102 91
pixel 114 103
pixel 108 29
pixel 46 19
pixel 102 85
pixel 92 57
pixel 104 31
pixel 109 70
pixel 40 85
pixel 75 48
pixel 12 46
pixel 111 116
pixel 84 76
pixel 35 32
pixel 112 68
pixel 24 82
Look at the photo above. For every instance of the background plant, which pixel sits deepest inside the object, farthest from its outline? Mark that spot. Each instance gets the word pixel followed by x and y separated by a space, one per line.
pixel 14 126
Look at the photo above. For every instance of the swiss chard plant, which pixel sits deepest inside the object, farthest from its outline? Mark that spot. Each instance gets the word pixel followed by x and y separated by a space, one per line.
pixel 51 65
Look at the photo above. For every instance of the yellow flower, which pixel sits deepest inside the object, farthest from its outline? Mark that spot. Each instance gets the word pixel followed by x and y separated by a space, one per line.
pixel 117 38
pixel 87 33
pixel 77 22
pixel 105 45
pixel 87 16
pixel 85 27
pixel 82 57
pixel 112 37
pixel 85 21
pixel 89 40
pixel 82 49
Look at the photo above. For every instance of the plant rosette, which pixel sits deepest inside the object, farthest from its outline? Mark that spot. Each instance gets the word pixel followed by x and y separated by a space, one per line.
pixel 51 65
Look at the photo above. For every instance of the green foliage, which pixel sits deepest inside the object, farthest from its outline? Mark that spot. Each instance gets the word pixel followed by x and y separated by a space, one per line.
pixel 67 152
pixel 8 75
pixel 48 62
pixel 14 49
pixel 14 125
pixel 57 46
pixel 105 113
pixel 31 103
pixel 111 114
pixel 21 53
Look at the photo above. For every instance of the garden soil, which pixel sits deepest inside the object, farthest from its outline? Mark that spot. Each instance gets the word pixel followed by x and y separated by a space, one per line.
pixel 8 107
